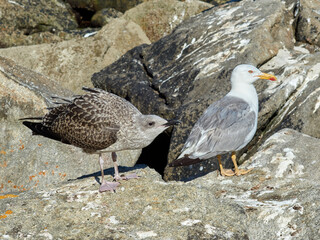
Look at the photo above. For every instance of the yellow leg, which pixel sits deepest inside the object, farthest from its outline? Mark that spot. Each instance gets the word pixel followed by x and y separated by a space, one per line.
pixel 224 172
pixel 238 171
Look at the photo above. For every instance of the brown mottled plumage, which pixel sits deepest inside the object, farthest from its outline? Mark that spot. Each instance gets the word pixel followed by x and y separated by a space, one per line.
pixel 100 122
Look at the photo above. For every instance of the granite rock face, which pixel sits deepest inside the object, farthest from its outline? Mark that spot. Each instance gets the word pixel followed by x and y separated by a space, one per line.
pixel 96 5
pixel 308 27
pixel 183 73
pixel 298 89
pixel 104 16
pixel 158 18
pixel 72 62
pixel 32 22
pixel 33 162
pixel 279 199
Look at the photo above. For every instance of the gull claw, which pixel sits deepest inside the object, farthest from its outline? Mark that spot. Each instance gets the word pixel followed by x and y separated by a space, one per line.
pixel 108 186
pixel 123 177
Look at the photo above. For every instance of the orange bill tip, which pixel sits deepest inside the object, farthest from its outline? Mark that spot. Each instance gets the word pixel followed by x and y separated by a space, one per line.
pixel 267 77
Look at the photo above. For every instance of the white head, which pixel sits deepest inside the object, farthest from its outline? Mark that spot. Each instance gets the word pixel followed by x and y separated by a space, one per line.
pixel 150 126
pixel 248 74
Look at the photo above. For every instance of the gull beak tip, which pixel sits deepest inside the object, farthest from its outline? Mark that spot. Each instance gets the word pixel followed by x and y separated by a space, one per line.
pixel 274 78
pixel 171 123
pixel 267 77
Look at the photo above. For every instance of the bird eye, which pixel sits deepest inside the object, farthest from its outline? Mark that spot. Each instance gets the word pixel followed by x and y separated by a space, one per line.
pixel 151 124
pixel 250 71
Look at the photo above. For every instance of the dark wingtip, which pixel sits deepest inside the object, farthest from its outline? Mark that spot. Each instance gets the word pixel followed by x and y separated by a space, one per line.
pixel 30 118
pixel 38 129
pixel 184 161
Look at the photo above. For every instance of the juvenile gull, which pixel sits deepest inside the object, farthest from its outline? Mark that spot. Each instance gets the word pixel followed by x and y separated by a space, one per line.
pixel 227 125
pixel 102 123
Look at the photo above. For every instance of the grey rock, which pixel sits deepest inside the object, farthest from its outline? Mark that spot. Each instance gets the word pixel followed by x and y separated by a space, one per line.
pixel 159 211
pixel 33 162
pixel 158 18
pixel 295 96
pixel 287 193
pixel 183 73
pixel 308 25
pixel 218 2
pixel 279 199
pixel 72 62
pixel 89 5
pixel 103 16
pixel 32 22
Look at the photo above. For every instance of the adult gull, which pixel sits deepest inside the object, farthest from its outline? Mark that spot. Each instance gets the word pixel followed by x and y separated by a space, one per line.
pixel 227 125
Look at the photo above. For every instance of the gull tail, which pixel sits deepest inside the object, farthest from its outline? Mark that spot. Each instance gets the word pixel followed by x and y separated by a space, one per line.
pixel 39 129
pixel 184 161
pixel 31 118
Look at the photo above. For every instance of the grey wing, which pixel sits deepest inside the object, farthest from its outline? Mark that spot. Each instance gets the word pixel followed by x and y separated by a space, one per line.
pixel 223 127
pixel 87 123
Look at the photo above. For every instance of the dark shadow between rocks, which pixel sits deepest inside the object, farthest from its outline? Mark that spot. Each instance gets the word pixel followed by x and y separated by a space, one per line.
pixel 83 17
pixel 200 169
pixel 156 154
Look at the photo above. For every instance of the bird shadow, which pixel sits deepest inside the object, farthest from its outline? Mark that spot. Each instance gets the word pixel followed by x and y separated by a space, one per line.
pixel 110 171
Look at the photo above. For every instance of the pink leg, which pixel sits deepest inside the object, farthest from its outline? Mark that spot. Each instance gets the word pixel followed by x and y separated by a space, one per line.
pixel 106 186
pixel 117 176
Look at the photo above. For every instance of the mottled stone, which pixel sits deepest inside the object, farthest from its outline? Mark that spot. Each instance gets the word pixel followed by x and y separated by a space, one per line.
pixel 26 22
pixel 296 95
pixel 96 5
pixel 103 16
pixel 308 25
pixel 279 199
pixel 159 17
pixel 72 62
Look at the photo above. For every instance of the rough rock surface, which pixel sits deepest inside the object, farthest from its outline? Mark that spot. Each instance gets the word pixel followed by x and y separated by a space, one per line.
pixel 159 17
pixel 279 199
pixel 184 72
pixel 32 22
pixel 308 28
pixel 297 91
pixel 97 5
pixel 72 62
pixel 34 162
pixel 104 16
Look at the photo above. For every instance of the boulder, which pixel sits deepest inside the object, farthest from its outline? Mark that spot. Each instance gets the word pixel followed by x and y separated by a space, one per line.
pixel 180 75
pixel 71 63
pixel 104 16
pixel 286 196
pixel 158 18
pixel 279 199
pixel 220 2
pixel 33 162
pixel 93 6
pixel 32 22
pixel 308 26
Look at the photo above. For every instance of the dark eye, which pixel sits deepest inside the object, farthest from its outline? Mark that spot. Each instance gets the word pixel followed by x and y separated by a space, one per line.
pixel 250 71
pixel 151 124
